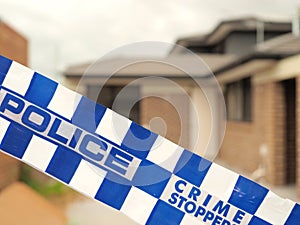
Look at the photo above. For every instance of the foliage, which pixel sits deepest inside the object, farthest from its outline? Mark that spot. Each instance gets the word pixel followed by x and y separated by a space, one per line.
pixel 46 189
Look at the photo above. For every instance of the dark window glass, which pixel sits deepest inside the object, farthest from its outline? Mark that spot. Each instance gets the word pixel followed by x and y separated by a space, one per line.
pixel 125 100
pixel 238 100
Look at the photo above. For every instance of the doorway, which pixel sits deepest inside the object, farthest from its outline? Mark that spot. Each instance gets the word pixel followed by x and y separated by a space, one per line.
pixel 290 136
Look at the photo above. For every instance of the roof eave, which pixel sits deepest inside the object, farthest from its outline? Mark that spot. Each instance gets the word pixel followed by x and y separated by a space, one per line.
pixel 252 56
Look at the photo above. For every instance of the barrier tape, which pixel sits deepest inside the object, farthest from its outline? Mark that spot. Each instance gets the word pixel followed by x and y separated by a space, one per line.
pixel 141 174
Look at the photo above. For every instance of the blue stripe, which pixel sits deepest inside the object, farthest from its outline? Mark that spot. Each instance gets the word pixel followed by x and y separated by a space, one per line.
pixel 192 167
pixel 138 141
pixel 64 164
pixel 88 114
pixel 165 214
pixel 16 140
pixel 5 64
pixel 247 195
pixel 294 217
pixel 257 221
pixel 112 193
pixel 151 178
pixel 41 90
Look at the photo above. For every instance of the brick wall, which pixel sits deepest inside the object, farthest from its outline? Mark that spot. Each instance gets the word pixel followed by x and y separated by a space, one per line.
pixel 243 140
pixel 240 148
pixel 13 46
pixel 176 119
pixel 274 131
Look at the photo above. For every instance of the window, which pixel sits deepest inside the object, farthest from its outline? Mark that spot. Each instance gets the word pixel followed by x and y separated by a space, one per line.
pixel 123 106
pixel 238 100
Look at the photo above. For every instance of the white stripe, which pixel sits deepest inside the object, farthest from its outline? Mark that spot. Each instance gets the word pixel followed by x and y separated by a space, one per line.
pixel 18 78
pixel 87 179
pixel 165 153
pixel 39 153
pixel 64 102
pixel 222 187
pixel 274 209
pixel 138 205
pixel 113 126
pixel 4 124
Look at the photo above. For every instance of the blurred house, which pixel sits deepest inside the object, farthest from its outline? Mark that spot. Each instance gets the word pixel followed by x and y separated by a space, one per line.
pixel 257 64
pixel 12 45
pixel 157 94
pixel 262 92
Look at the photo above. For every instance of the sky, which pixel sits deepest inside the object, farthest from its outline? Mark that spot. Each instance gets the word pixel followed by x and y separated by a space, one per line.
pixel 64 33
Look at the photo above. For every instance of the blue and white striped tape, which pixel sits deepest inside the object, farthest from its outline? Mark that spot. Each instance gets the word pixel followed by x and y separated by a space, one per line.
pixel 121 164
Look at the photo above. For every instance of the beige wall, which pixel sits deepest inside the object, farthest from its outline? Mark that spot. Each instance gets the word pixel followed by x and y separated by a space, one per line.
pixel 202 139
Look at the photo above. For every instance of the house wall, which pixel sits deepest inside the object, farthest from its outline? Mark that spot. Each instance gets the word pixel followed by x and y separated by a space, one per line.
pixel 240 148
pixel 13 46
pixel 166 121
pixel 285 69
pixel 240 43
pixel 185 112
pixel 166 111
pixel 272 130
pixel 187 117
pixel 203 121
pixel 261 142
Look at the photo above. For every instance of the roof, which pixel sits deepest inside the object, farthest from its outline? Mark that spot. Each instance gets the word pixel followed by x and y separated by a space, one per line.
pixel 228 26
pixel 274 49
pixel 263 55
pixel 287 44
pixel 174 66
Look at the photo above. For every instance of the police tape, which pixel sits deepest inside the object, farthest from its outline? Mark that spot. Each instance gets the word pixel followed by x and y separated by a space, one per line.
pixel 143 175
